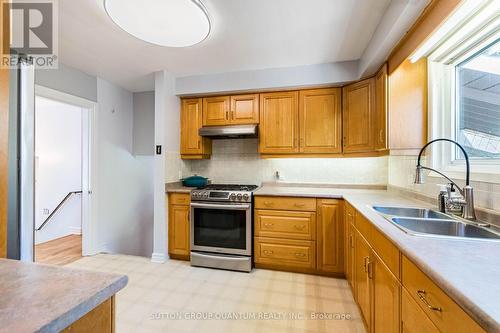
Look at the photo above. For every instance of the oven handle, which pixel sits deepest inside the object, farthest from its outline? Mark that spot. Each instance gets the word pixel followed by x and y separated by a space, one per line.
pixel 218 206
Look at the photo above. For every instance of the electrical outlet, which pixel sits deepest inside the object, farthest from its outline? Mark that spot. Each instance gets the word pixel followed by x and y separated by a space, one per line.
pixel 46 211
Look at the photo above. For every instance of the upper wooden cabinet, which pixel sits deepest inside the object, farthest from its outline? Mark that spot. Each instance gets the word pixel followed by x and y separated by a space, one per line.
pixel 215 110
pixel 408 107
pixel 330 238
pixel 193 146
pixel 358 116
pixel 231 110
pixel 320 120
pixel 244 109
pixel 381 109
pixel 278 129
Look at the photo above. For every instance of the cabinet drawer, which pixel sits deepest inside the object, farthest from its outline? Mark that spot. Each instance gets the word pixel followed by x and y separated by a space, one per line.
pixel 413 319
pixel 285 253
pixel 179 198
pixel 286 203
pixel 283 224
pixel 446 315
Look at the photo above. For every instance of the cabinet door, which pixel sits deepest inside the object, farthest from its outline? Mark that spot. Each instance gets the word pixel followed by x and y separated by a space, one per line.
pixel 330 238
pixel 386 297
pixel 278 129
pixel 215 111
pixel 320 120
pixel 362 254
pixel 358 111
pixel 178 230
pixel 413 319
pixel 349 244
pixel 381 109
pixel 191 120
pixel 244 109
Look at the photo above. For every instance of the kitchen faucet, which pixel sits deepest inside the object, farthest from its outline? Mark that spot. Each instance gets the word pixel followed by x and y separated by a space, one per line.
pixel 466 201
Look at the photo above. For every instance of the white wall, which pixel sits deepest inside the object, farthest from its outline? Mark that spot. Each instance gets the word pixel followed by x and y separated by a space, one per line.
pixel 125 182
pixel 58 144
pixel 167 166
pixel 237 160
pixel 144 123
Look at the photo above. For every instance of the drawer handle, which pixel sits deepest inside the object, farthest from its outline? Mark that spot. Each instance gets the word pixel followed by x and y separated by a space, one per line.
pixel 267 203
pixel 421 295
pixel 351 241
pixel 299 227
pixel 300 255
pixel 268 252
pixel 299 205
pixel 268 225
pixel 366 262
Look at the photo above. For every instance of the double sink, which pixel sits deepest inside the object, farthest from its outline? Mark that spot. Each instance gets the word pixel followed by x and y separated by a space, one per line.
pixel 427 222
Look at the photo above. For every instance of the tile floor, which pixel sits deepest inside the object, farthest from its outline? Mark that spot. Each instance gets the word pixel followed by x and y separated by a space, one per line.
pixel 164 298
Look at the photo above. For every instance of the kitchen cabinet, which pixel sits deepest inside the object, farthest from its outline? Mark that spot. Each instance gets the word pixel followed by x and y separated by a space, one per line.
pixel 285 224
pixel 358 116
pixel 413 319
pixel 408 107
pixel 231 110
pixel 320 121
pixel 100 319
pixel 444 313
pixel 244 109
pixel 362 282
pixel 279 128
pixel 381 109
pixel 385 297
pixel 349 219
pixel 215 110
pixel 178 226
pixel 285 254
pixel 193 146
pixel 330 238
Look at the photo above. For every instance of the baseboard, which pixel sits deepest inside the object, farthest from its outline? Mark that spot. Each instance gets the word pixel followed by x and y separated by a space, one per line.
pixel 158 258
pixel 75 230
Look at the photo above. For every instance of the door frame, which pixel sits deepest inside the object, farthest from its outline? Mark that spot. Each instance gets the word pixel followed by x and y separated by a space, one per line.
pixel 89 163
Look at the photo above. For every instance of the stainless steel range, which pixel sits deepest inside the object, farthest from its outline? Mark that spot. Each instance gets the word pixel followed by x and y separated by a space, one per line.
pixel 221 227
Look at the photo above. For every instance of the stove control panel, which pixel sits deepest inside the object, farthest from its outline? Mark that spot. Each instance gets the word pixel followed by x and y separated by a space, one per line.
pixel 204 195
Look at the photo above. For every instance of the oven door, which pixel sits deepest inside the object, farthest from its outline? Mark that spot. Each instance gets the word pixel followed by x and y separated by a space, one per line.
pixel 221 228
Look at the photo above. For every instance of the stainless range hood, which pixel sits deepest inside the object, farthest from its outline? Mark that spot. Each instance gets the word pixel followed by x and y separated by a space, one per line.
pixel 229 131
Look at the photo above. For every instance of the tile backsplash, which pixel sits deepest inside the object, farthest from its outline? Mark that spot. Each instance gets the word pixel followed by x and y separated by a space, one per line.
pixel 238 161
pixel 402 173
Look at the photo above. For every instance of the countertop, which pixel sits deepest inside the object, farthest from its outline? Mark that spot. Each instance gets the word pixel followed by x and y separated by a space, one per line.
pixel 467 270
pixel 177 187
pixel 45 298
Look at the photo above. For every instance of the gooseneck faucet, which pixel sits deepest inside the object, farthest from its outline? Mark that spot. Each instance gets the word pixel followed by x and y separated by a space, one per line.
pixel 466 202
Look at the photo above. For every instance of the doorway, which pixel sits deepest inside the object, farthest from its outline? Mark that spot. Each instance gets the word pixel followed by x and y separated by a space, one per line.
pixel 62 182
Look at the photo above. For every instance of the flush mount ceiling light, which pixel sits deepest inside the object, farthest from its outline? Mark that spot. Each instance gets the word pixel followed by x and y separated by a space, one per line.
pixel 174 23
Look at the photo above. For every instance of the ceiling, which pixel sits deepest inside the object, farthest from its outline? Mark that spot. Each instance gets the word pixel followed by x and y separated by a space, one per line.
pixel 246 35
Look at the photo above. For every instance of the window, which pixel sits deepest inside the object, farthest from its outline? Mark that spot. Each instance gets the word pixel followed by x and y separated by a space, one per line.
pixel 478 104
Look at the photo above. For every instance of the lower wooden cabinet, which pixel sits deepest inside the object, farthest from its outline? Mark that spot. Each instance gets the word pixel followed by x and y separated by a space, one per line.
pixel 349 218
pixel 99 320
pixel 362 254
pixel 386 297
pixel 286 254
pixel 413 319
pixel 178 226
pixel 330 239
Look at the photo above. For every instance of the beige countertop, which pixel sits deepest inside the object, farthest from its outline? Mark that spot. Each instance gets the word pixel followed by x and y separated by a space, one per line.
pixel 176 187
pixel 467 270
pixel 44 298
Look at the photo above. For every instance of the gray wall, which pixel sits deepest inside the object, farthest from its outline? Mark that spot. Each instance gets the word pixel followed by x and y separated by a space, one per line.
pixel 68 80
pixel 144 123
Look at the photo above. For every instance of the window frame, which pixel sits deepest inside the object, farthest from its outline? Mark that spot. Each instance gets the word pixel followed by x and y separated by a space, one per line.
pixel 443 95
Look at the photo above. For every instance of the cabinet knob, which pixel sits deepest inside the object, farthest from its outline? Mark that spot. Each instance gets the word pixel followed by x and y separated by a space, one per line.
pixel 268 252
pixel 300 255
pixel 268 224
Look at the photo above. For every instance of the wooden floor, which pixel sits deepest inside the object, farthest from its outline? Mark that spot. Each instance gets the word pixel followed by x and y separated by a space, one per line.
pixel 60 251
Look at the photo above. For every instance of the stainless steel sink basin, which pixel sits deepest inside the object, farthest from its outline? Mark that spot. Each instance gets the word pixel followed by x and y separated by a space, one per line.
pixel 444 228
pixel 411 212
